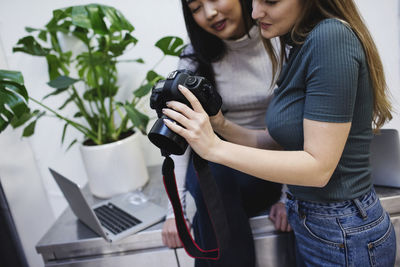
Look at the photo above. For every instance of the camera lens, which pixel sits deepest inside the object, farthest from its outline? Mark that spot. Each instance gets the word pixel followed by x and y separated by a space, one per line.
pixel 191 81
pixel 165 139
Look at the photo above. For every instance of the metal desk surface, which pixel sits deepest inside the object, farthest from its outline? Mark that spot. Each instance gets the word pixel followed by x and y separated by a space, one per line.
pixel 68 238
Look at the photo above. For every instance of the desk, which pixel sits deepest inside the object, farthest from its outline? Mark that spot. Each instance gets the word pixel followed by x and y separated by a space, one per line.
pixel 70 243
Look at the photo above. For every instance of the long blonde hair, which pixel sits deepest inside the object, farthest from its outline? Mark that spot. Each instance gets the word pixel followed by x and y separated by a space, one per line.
pixel 345 10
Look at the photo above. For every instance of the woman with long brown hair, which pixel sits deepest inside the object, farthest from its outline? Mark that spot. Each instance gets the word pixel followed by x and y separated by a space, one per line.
pixel 332 95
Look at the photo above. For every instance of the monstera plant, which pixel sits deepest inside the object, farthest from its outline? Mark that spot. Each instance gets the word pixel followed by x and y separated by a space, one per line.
pixel 88 79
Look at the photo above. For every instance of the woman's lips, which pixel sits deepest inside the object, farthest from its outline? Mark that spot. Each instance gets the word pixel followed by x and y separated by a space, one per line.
pixel 265 26
pixel 220 25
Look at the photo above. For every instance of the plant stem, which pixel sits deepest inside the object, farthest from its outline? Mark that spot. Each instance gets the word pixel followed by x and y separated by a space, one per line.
pixel 82 108
pixel 101 98
pixel 87 132
pixel 124 121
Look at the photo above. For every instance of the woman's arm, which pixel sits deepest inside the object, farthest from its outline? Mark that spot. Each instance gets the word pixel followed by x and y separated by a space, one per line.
pixel 323 145
pixel 241 135
pixel 313 166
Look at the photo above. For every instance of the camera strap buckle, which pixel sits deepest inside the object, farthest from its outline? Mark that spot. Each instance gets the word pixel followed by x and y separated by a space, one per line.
pixel 214 205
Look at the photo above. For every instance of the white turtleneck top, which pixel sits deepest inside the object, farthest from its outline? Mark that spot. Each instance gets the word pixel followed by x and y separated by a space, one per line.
pixel 243 79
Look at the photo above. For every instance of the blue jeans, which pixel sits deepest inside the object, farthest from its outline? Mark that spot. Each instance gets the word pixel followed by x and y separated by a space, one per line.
pixel 243 196
pixel 355 232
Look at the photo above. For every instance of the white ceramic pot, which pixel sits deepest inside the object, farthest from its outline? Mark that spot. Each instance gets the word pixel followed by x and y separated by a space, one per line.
pixel 115 168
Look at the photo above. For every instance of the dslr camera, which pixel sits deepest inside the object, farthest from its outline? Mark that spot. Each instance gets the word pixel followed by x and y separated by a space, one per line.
pixel 167 90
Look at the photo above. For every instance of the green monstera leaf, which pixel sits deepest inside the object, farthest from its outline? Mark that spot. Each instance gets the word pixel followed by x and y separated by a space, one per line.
pixel 171 45
pixel 13 97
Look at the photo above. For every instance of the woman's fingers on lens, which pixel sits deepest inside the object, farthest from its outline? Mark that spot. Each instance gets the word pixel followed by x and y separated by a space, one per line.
pixel 176 116
pixel 175 127
pixel 185 116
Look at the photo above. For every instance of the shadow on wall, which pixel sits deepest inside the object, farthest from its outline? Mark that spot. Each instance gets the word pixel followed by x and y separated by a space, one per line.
pixel 11 251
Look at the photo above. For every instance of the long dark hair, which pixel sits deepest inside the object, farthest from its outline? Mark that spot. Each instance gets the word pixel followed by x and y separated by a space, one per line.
pixel 207 47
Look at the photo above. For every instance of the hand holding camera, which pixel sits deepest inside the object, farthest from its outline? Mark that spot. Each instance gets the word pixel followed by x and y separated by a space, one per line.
pixel 167 90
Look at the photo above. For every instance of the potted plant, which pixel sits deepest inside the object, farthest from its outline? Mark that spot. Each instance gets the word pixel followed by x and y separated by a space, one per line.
pixel 89 81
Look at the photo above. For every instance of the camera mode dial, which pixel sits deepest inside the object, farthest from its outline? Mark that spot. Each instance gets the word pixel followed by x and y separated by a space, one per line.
pixel 191 81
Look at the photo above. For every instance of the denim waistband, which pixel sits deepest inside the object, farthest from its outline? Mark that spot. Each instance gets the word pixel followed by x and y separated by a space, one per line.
pixel 350 206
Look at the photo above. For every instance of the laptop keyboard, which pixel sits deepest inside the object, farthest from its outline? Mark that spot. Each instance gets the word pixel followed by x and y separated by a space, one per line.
pixel 115 219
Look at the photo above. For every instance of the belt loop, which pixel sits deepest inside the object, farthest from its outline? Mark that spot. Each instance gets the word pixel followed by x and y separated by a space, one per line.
pixel 360 208
pixel 295 203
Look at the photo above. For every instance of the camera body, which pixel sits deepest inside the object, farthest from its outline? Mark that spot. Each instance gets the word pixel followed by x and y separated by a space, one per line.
pixel 167 90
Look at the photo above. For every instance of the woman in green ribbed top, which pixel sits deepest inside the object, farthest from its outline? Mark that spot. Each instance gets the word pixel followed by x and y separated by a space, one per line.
pixel 331 96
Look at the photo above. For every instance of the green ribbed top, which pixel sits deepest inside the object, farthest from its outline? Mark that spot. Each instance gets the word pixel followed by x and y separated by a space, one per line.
pixel 327 79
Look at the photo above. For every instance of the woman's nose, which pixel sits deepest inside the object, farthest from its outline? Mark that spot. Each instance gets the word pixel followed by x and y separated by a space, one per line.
pixel 257 13
pixel 210 11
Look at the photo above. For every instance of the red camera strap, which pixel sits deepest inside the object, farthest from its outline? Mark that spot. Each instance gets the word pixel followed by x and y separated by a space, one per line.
pixel 214 205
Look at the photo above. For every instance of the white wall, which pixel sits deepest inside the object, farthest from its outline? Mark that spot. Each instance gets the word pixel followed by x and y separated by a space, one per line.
pixel 382 18
pixel 23 164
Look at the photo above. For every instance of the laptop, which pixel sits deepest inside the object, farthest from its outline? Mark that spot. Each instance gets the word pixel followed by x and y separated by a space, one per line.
pixel 385 158
pixel 115 218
